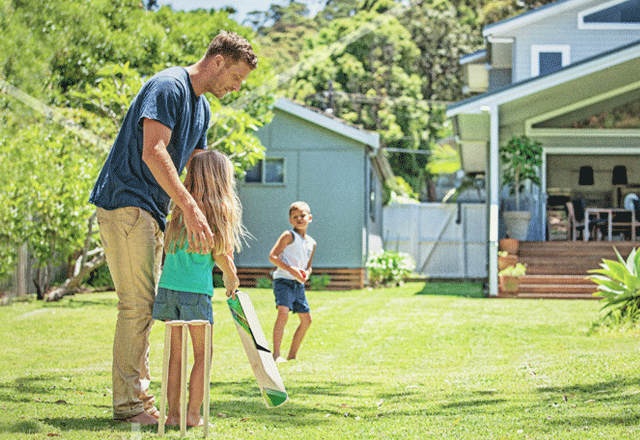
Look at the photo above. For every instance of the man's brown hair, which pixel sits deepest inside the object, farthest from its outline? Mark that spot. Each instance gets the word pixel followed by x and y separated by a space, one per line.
pixel 232 45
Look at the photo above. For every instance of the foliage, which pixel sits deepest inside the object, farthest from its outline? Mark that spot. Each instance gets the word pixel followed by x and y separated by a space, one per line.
pixel 519 270
pixel 469 182
pixel 319 282
pixel 263 283
pixel 85 61
pixel 521 158
pixel 45 185
pixel 388 268
pixel 619 285
pixel 399 192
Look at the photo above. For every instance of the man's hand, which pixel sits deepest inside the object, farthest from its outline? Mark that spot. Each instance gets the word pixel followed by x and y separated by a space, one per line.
pixel 198 231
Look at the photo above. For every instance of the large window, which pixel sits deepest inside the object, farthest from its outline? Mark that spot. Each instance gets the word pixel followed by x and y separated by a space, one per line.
pixel 267 171
pixel 547 58
pixel 615 14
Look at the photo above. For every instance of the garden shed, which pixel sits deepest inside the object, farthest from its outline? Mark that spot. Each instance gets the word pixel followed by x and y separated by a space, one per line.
pixel 339 170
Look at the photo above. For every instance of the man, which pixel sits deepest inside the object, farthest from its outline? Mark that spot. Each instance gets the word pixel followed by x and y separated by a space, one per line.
pixel 165 125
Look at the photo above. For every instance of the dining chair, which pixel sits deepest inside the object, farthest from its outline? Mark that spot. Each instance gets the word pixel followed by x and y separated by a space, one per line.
pixel 576 215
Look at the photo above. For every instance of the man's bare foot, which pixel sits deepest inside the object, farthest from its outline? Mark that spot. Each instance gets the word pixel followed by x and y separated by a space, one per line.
pixel 142 419
pixel 153 412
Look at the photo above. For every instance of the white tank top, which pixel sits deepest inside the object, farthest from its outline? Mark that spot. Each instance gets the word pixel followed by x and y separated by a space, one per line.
pixel 296 255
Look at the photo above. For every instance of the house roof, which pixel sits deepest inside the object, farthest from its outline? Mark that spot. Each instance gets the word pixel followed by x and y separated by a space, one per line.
pixel 330 122
pixel 529 17
pixel 476 56
pixel 583 68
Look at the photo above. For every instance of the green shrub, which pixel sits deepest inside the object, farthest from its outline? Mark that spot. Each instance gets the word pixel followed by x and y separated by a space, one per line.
pixel 389 268
pixel 100 278
pixel 263 283
pixel 217 280
pixel 619 285
pixel 319 282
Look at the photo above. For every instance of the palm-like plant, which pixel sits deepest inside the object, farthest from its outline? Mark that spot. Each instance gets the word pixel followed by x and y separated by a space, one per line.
pixel 619 284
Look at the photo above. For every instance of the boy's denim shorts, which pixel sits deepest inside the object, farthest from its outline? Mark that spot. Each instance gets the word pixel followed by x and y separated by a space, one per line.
pixel 173 305
pixel 290 293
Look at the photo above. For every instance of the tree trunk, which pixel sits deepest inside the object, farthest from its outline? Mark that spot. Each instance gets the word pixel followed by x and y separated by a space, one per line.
pixel 70 284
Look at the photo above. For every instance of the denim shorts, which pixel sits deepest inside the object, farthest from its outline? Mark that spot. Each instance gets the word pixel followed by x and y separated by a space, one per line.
pixel 173 305
pixel 290 293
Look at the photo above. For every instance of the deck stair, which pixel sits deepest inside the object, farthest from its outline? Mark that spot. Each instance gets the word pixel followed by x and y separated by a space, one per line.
pixel 558 269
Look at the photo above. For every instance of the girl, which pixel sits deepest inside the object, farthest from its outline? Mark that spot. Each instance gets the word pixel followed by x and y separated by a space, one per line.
pixel 186 284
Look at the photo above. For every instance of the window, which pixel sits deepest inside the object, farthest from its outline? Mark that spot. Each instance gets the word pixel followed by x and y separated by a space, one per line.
pixel 616 14
pixel 267 171
pixel 547 58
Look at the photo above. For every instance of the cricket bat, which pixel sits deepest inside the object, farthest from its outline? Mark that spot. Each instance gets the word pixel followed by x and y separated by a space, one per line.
pixel 257 349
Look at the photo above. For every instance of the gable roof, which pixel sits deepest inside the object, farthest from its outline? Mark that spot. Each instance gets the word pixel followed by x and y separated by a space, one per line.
pixel 529 17
pixel 579 69
pixel 330 123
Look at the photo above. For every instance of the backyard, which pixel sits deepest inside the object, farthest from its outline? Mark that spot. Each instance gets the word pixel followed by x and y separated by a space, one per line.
pixel 420 361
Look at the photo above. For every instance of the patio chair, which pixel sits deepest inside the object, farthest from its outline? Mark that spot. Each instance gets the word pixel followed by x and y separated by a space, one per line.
pixel 575 214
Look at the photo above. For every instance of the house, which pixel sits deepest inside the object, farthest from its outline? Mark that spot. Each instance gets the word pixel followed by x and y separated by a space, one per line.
pixel 338 170
pixel 567 75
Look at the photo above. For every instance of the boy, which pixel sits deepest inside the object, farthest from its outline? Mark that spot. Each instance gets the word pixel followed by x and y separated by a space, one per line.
pixel 292 254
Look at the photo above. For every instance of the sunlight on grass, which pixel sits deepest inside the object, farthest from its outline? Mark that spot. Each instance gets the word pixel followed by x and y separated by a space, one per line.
pixel 424 360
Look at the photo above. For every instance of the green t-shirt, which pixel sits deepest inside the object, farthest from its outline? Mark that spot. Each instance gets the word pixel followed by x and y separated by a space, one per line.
pixel 188 272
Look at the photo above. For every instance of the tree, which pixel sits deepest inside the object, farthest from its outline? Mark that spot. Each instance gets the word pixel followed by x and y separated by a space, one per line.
pixel 94 56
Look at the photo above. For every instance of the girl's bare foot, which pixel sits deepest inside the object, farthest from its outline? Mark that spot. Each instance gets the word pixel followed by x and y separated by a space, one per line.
pixel 173 420
pixel 195 420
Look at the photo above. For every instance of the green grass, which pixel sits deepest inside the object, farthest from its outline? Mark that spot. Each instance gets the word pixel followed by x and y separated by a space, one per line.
pixel 421 361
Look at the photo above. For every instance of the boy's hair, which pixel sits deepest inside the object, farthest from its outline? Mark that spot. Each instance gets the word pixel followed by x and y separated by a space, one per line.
pixel 211 181
pixel 231 45
pixel 301 206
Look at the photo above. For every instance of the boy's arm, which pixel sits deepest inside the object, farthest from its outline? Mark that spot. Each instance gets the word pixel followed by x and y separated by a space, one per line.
pixel 274 256
pixel 308 269
pixel 229 273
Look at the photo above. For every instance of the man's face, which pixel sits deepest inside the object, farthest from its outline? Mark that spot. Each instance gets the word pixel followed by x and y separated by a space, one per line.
pixel 231 76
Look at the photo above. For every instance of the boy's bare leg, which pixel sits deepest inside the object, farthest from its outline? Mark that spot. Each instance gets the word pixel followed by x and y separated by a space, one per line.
pixel 196 390
pixel 278 330
pixel 173 381
pixel 305 323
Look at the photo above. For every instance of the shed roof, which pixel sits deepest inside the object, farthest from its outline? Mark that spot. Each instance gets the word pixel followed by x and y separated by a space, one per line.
pixel 329 122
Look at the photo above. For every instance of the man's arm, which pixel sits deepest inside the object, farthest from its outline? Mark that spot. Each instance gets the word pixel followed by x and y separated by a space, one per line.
pixel 156 137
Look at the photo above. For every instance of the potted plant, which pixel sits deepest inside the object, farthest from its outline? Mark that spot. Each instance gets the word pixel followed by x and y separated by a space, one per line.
pixel 505 260
pixel 521 158
pixel 510 277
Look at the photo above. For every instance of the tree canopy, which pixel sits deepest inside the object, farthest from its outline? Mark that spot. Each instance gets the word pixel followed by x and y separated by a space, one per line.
pixel 84 62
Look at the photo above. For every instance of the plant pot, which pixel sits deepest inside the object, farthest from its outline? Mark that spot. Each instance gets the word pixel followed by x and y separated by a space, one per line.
pixel 510 284
pixel 517 223
pixel 509 245
pixel 509 260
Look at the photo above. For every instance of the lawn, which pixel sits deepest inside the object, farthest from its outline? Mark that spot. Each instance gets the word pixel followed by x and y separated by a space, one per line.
pixel 421 361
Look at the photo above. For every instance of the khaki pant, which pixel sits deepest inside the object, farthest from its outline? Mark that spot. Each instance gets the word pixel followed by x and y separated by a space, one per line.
pixel 132 242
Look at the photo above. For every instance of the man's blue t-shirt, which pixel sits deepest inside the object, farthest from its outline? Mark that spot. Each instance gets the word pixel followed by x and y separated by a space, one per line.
pixel 125 180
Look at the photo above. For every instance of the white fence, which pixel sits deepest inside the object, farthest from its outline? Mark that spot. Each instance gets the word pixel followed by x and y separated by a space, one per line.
pixel 445 240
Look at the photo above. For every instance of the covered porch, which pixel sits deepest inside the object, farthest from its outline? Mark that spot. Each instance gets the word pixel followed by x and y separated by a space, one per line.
pixel 555 109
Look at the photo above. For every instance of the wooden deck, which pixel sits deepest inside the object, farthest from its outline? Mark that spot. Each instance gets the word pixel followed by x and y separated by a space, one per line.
pixel 558 269
pixel 341 278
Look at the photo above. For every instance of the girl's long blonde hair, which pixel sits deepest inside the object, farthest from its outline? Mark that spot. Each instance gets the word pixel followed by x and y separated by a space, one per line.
pixel 210 180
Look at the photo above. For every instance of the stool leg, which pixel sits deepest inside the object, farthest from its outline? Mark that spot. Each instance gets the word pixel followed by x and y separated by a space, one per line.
pixel 207 377
pixel 165 377
pixel 183 382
